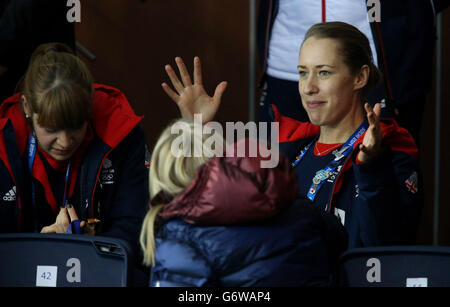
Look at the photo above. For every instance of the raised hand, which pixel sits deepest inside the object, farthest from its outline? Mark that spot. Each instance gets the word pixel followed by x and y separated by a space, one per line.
pixel 371 145
pixel 192 98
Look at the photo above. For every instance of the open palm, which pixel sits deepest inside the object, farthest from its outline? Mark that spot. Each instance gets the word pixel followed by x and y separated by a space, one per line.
pixel 191 98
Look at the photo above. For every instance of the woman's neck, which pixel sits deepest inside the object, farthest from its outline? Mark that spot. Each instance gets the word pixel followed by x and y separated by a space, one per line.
pixel 341 132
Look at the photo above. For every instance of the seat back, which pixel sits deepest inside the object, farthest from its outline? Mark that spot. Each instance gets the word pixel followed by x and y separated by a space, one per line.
pixel 58 260
pixel 395 266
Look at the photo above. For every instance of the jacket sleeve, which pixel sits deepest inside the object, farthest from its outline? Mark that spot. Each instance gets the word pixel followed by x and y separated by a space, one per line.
pixel 128 204
pixel 8 202
pixel 389 201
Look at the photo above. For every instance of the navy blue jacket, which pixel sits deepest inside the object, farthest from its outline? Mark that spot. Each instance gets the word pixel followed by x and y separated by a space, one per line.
pixel 112 181
pixel 382 199
pixel 404 39
pixel 297 248
pixel 238 225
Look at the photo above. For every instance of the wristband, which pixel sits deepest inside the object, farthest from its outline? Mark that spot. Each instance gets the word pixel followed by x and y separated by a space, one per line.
pixel 75 228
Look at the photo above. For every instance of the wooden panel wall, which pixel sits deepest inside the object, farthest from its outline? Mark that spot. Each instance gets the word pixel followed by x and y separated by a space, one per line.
pixel 133 40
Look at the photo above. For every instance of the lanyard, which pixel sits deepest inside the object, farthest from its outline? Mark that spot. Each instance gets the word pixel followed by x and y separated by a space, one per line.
pixel 31 155
pixel 340 157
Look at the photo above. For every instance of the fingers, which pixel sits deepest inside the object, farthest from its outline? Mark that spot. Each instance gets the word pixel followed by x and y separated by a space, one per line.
pixel 368 108
pixel 174 79
pixel 185 77
pixel 183 72
pixel 365 149
pixel 373 113
pixel 220 89
pixel 377 109
pixel 72 213
pixel 174 96
pixel 62 217
pixel 197 71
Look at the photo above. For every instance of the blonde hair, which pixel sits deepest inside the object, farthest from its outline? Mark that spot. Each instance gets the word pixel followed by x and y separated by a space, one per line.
pixel 171 171
pixel 58 87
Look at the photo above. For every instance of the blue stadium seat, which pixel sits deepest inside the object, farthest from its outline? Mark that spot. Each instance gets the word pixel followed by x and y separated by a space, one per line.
pixel 395 266
pixel 58 260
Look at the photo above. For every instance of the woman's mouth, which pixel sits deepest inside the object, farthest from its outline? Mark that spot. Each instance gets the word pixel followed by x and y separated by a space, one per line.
pixel 314 104
pixel 62 152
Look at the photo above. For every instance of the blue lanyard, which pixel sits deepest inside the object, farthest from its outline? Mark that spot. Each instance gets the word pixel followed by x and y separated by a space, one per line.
pixel 31 155
pixel 340 157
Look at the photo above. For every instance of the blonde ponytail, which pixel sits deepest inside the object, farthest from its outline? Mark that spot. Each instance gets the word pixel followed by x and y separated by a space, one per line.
pixel 147 238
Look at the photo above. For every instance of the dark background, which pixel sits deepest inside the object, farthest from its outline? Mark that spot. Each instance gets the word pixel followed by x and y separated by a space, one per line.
pixel 133 40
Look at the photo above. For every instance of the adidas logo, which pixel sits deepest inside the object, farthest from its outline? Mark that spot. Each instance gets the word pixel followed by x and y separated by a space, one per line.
pixel 11 195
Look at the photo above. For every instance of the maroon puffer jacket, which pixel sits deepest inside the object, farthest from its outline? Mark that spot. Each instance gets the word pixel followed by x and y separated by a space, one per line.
pixel 232 190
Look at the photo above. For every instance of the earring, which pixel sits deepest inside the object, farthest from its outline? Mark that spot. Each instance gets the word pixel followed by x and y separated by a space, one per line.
pixel 27 116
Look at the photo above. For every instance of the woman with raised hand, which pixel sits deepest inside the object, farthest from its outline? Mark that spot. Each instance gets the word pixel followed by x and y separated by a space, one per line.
pixel 72 153
pixel 226 221
pixel 348 160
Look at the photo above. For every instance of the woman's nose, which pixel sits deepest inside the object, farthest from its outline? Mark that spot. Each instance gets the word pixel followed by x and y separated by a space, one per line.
pixel 65 139
pixel 309 85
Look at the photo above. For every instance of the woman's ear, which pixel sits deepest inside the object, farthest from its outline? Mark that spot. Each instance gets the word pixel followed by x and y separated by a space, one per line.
pixel 362 77
pixel 26 107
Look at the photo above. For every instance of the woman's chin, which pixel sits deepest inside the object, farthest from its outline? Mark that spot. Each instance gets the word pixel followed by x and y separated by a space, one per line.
pixel 61 155
pixel 316 120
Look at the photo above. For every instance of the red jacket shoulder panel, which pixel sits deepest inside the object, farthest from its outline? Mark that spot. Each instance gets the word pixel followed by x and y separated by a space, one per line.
pixel 10 110
pixel 291 129
pixel 113 117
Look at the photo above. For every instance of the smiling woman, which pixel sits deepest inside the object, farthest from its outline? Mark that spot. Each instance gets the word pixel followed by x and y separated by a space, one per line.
pixel 330 92
pixel 336 72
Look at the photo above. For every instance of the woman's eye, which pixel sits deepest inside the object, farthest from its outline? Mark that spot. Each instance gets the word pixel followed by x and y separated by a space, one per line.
pixel 324 73
pixel 303 73
pixel 49 130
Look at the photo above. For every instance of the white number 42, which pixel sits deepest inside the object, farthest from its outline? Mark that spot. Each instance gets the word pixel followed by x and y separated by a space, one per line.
pixel 46 276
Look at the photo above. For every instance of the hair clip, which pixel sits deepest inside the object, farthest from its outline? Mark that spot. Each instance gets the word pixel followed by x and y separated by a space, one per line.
pixel 162 197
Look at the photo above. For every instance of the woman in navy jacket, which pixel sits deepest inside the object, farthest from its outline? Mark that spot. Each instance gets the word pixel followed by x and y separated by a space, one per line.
pixel 228 222
pixel 348 161
pixel 70 150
